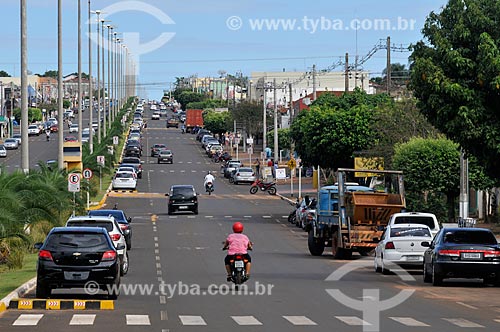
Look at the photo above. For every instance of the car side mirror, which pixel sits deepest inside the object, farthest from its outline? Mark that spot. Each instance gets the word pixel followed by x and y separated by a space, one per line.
pixel 425 244
pixel 167 194
pixel 129 219
pixel 121 246
pixel 38 245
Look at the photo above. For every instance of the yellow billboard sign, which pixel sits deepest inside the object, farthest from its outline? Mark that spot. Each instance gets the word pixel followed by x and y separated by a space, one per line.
pixel 375 163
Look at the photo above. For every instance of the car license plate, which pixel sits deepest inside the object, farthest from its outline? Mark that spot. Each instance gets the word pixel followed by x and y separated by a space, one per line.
pixel 471 255
pixel 72 275
pixel 414 258
pixel 183 207
pixel 239 264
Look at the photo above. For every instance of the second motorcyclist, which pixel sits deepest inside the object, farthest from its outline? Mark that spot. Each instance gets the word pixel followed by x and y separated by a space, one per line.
pixel 209 178
pixel 237 243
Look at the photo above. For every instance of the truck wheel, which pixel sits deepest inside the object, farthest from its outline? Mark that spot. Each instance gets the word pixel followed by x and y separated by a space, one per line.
pixel 316 246
pixel 335 245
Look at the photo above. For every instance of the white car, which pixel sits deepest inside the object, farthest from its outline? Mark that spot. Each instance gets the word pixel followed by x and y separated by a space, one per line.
pixel 114 231
pixel 421 218
pixel 124 180
pixel 33 130
pixel 128 169
pixel 73 128
pixel 156 115
pixel 53 120
pixel 18 138
pixel 401 245
pixel 3 151
pixel 11 144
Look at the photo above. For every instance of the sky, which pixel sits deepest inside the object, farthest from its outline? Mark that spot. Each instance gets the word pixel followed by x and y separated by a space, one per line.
pixel 172 38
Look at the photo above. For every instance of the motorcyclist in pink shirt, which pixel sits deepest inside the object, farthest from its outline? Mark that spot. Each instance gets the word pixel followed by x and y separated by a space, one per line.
pixel 237 243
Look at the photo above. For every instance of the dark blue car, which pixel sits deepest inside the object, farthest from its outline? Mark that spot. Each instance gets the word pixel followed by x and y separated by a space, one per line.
pixel 122 219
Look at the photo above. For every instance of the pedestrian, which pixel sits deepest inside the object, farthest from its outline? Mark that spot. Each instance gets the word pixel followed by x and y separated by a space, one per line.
pixel 257 167
pixel 270 162
pixel 273 168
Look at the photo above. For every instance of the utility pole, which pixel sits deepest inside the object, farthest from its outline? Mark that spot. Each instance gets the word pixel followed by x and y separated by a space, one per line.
pixel 276 148
pixel 388 65
pixel 80 121
pixel 105 93
pixel 264 120
pixel 24 91
pixel 60 155
pixel 314 82
pixel 292 111
pixel 91 94
pixel 346 72
pixel 98 13
pixel 110 29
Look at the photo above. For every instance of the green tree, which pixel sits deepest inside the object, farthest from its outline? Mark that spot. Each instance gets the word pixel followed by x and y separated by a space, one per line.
pixel 50 73
pixel 34 114
pixel 3 73
pixel 432 175
pixel 248 115
pixel 349 100
pixel 187 97
pixel 284 139
pixel 217 122
pixel 456 76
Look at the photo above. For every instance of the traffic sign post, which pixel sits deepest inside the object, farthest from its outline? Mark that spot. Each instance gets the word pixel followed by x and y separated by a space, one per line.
pixel 292 164
pixel 74 187
pixel 100 162
pixel 87 175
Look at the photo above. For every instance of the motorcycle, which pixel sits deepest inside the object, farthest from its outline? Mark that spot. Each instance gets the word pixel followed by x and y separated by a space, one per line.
pixel 209 188
pixel 238 265
pixel 292 217
pixel 270 187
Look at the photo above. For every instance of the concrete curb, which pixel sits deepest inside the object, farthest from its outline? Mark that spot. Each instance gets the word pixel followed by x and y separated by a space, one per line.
pixel 17 293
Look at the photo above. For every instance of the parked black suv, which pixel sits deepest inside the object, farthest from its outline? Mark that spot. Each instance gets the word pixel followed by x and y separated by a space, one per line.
pixel 182 198
pixel 71 257
pixel 133 149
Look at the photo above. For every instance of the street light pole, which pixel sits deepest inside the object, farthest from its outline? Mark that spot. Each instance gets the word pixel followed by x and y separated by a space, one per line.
pixel 24 91
pixel 110 28
pixel 80 117
pixel 60 154
pixel 91 94
pixel 98 13
pixel 104 92
pixel 264 120
pixel 276 150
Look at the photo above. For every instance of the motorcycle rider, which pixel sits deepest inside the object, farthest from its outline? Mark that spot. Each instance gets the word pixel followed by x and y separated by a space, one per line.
pixel 47 134
pixel 237 243
pixel 209 178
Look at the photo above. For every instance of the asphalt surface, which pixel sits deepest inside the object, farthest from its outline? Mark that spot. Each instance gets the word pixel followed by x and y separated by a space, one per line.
pixel 289 290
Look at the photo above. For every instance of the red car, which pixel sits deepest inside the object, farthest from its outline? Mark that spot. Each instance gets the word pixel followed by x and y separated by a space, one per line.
pixel 54 128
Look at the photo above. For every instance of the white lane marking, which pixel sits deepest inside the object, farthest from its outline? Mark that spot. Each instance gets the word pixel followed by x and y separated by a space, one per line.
pixel 266 217
pixel 246 320
pixel 157 244
pixel 82 319
pixel 352 320
pixel 183 171
pixel 172 217
pixel 154 229
pixel 163 299
pixel 250 216
pixel 232 216
pixel 299 320
pixel 158 272
pixel 191 217
pixel 193 171
pixel 157 258
pixel 209 216
pixel 190 162
pixel 172 171
pixel 283 225
pixel 28 319
pixel 497 320
pixel 158 266
pixel 160 279
pixel 460 322
pixel 157 251
pixel 467 305
pixel 156 238
pixel 163 315
pixel 138 320
pixel 192 320
pixel 408 321
pixel 284 217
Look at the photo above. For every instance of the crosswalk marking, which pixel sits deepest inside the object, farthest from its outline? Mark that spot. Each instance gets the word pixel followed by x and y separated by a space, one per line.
pixel 138 320
pixel 408 321
pixel 299 320
pixel 78 319
pixel 28 319
pixel 352 320
pixel 192 320
pixel 461 322
pixel 246 320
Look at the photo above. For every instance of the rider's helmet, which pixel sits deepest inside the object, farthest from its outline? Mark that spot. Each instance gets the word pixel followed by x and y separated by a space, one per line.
pixel 238 227
pixel 209 172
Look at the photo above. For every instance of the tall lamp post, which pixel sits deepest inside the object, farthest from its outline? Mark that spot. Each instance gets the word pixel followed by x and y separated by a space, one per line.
pixel 80 117
pixel 110 97
pixel 60 154
pixel 24 91
pixel 98 13
pixel 91 94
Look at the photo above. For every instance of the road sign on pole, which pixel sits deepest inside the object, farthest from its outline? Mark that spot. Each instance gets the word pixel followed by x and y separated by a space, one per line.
pixel 100 160
pixel 87 173
pixel 74 182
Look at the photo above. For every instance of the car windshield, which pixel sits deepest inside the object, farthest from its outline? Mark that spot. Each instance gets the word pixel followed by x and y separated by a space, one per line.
pixel 91 223
pixel 410 231
pixel 124 175
pixel 183 192
pixel 83 241
pixel 470 237
pixel 421 220
pixel 117 214
pixel 131 161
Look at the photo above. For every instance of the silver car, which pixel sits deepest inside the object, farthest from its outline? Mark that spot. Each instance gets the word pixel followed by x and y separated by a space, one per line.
pixel 243 174
pixel 11 144
pixel 3 151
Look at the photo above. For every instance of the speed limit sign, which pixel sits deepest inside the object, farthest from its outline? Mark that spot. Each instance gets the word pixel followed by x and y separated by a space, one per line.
pixel 87 173
pixel 74 182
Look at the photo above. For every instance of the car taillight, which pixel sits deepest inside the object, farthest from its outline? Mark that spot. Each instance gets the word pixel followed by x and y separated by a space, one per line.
pixel 45 255
pixel 115 237
pixel 124 227
pixel 237 174
pixel 492 254
pixel 450 253
pixel 390 245
pixel 109 255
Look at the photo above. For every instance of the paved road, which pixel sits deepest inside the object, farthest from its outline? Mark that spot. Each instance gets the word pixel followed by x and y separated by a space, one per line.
pixel 288 289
